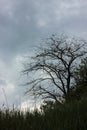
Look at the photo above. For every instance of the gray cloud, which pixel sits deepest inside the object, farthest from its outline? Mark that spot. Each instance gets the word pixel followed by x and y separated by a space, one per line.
pixel 23 23
pixel 2 82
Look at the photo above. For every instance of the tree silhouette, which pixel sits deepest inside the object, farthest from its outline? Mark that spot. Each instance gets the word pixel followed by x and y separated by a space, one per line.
pixel 54 66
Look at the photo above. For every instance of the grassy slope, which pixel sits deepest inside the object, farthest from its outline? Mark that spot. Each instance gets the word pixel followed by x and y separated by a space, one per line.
pixel 71 116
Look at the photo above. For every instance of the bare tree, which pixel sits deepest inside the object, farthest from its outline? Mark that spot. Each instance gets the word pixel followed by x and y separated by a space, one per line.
pixel 53 67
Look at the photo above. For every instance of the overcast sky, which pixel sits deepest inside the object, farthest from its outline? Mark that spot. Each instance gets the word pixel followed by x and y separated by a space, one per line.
pixel 23 24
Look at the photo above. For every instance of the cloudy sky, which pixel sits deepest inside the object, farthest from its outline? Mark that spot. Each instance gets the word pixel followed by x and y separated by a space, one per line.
pixel 23 24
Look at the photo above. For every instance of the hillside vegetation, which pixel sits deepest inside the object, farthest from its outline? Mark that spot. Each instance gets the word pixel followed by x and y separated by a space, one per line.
pixel 71 116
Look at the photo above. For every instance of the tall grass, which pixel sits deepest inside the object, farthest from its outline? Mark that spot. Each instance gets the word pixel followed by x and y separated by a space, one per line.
pixel 69 116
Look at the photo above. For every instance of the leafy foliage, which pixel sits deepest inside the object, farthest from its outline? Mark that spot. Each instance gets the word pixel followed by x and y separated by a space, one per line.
pixel 81 79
